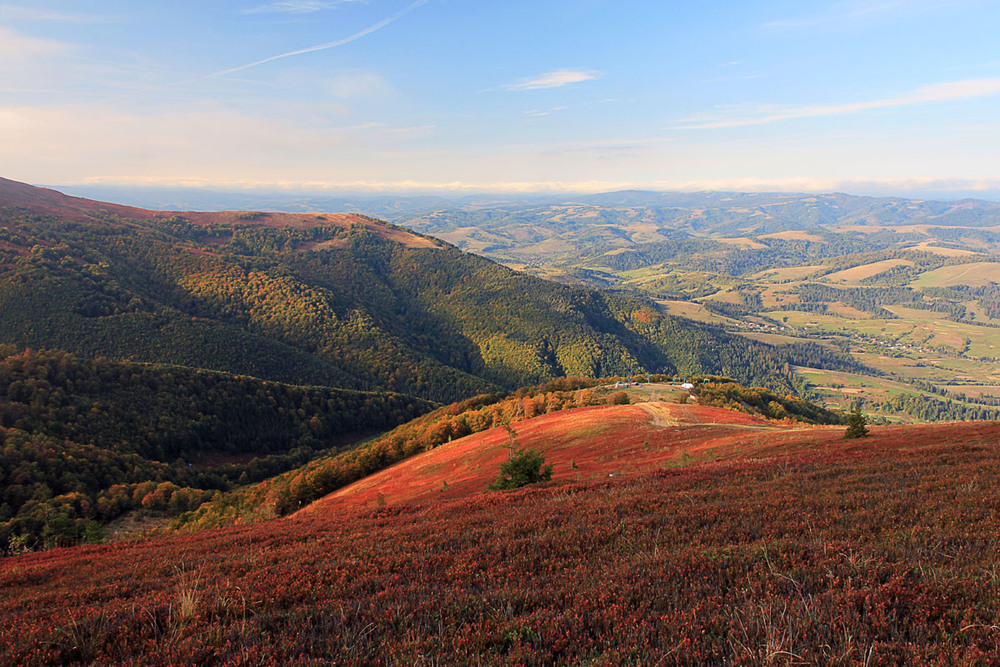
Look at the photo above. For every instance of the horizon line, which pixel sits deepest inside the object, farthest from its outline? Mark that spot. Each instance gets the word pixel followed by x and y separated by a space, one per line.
pixel 910 188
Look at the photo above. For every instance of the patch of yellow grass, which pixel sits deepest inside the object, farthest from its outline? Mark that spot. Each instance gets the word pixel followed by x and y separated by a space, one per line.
pixel 859 273
pixel 796 235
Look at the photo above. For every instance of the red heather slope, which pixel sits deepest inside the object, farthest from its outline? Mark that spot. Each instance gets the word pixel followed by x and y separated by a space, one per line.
pixel 582 444
pixel 879 551
pixel 52 202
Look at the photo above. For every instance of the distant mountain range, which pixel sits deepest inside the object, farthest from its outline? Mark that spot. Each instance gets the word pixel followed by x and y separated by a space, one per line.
pixel 834 208
pixel 564 234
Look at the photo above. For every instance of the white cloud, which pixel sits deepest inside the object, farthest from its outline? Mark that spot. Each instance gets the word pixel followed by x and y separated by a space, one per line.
pixel 554 79
pixel 603 146
pixel 938 92
pixel 538 113
pixel 295 6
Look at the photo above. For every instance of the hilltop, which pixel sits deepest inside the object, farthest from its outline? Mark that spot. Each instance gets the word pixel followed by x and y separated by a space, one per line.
pixel 54 203
pixel 583 444
pixel 456 449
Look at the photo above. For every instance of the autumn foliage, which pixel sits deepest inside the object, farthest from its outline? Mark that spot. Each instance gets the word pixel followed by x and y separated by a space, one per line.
pixel 878 552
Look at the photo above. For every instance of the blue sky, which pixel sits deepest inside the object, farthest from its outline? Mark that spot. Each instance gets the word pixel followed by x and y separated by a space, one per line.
pixel 887 96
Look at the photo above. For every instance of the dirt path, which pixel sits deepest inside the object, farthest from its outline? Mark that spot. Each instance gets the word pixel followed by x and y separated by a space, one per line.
pixel 669 415
pixel 661 413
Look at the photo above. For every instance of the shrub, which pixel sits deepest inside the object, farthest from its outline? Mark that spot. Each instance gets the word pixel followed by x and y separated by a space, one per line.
pixel 524 467
pixel 618 398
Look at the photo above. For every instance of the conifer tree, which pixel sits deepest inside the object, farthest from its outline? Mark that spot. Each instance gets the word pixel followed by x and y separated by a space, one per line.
pixel 856 424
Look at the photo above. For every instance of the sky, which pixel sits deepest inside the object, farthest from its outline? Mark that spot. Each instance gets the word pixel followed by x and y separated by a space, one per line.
pixel 458 96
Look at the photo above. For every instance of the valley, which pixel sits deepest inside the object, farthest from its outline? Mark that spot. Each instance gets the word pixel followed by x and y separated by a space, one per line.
pixel 908 288
pixel 922 272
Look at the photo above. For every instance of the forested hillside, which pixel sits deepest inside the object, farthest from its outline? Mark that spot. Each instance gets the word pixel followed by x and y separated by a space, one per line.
pixel 338 300
pixel 85 441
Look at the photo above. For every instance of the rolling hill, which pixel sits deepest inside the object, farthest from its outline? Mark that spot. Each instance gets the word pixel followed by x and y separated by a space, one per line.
pixel 582 444
pixel 769 543
pixel 457 437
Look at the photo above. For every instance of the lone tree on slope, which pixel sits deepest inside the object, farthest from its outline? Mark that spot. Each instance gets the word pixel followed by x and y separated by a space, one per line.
pixel 856 424
pixel 524 467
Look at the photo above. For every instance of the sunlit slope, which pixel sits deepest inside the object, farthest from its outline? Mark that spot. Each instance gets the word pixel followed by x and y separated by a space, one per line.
pixel 582 444
pixel 299 488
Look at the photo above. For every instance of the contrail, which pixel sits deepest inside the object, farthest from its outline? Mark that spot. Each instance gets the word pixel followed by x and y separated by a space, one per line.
pixel 322 47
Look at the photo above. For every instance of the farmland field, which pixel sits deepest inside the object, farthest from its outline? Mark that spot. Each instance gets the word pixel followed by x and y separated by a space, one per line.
pixel 692 311
pixel 974 275
pixel 859 273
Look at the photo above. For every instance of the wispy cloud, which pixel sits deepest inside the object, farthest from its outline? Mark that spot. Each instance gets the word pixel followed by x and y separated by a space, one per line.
pixel 851 12
pixel 615 145
pixel 538 113
pixel 296 6
pixel 16 49
pixel 322 47
pixel 19 13
pixel 554 79
pixel 938 92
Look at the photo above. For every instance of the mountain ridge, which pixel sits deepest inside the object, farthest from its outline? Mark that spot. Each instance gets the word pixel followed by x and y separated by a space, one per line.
pixel 350 301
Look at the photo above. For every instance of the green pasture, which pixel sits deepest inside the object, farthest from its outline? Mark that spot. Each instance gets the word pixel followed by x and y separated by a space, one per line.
pixel 693 311
pixel 974 274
